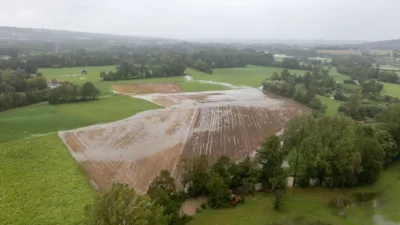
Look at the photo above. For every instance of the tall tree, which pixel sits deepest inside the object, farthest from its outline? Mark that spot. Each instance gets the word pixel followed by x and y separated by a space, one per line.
pixel 271 158
pixel 163 191
pixel 88 90
pixel 295 132
pixel 217 191
pixel 121 205
pixel 195 175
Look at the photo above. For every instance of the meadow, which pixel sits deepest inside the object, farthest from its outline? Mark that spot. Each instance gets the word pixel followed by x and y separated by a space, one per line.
pixel 41 184
pixel 251 76
pixel 93 75
pixel 41 119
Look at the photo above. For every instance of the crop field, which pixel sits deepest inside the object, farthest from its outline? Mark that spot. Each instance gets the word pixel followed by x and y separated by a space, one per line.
pixel 41 184
pixel 134 150
pixel 37 120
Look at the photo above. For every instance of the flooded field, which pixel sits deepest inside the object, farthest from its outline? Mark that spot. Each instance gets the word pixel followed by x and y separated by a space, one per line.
pixel 217 123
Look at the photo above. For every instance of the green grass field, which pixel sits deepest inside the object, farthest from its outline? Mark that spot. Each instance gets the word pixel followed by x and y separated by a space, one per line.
pixel 73 75
pixel 391 89
pixel 332 105
pixel 252 76
pixel 41 119
pixel 338 76
pixel 312 204
pixel 41 184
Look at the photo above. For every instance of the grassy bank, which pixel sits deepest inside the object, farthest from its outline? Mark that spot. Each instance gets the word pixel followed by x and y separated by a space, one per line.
pixel 41 183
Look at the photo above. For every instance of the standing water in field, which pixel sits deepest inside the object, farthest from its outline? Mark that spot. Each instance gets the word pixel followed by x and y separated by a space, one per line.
pixel 379 219
pixel 190 78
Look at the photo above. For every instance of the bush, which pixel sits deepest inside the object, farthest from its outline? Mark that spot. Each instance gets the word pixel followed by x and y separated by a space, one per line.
pixel 203 205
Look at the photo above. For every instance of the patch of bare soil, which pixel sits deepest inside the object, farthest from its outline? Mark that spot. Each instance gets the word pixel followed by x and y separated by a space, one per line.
pixel 190 206
pixel 146 88
pixel 73 143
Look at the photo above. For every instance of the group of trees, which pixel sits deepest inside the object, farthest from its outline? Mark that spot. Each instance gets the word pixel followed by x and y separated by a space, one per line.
pixel 291 63
pixel 165 66
pixel 337 152
pixel 18 88
pixel 363 69
pixel 303 89
pixel 206 60
pixel 17 64
pixel 69 92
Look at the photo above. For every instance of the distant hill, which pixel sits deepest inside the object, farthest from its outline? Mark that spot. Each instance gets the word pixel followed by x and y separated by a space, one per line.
pixel 388 44
pixel 33 36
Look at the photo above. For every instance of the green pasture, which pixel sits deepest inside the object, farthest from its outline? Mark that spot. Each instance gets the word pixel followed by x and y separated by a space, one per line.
pixel 337 76
pixel 41 184
pixel 93 75
pixel 31 121
pixel 391 89
pixel 252 76
pixel 332 105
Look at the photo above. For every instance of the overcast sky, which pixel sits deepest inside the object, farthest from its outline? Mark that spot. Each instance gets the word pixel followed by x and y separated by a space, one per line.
pixel 212 19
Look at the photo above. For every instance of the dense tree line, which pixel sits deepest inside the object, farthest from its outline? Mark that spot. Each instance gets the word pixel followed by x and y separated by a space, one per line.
pixel 73 59
pixel 69 92
pixel 18 88
pixel 205 60
pixel 287 85
pixel 165 66
pixel 17 64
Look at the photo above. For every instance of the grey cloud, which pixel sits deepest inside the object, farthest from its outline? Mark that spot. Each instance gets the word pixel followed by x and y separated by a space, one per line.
pixel 212 19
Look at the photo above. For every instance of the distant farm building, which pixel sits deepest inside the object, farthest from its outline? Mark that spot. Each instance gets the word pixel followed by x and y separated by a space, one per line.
pixel 281 57
pixel 4 57
pixel 321 59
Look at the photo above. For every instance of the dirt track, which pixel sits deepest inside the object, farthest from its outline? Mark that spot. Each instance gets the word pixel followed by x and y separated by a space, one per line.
pixel 135 150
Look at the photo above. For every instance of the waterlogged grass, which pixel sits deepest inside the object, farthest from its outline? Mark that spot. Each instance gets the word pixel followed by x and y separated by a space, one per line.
pixel 41 119
pixel 41 184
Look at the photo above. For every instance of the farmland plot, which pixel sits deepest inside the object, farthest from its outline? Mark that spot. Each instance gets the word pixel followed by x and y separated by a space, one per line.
pixel 135 150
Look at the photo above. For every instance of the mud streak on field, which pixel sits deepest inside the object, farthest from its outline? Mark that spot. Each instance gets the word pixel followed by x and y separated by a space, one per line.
pixel 136 149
